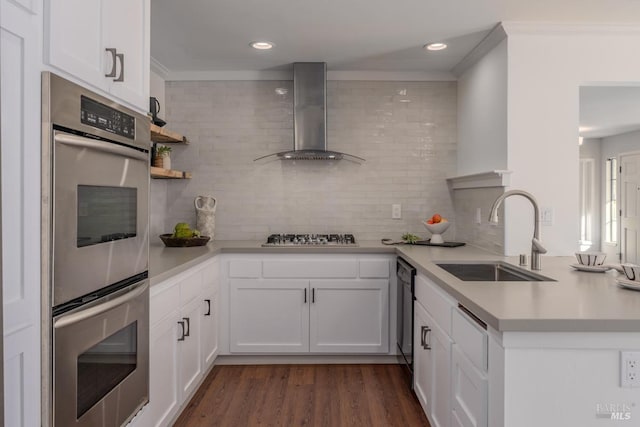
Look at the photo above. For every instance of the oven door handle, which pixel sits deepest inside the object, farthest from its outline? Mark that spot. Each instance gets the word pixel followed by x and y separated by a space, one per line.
pixel 70 319
pixel 94 144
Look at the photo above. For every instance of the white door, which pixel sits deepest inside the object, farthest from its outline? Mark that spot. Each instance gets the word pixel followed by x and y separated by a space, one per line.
pixel 440 375
pixel 421 357
pixel 209 331
pixel 349 316
pixel 75 39
pixel 190 350
pixel 126 28
pixel 164 398
pixel 469 392
pixel 270 316
pixel 630 207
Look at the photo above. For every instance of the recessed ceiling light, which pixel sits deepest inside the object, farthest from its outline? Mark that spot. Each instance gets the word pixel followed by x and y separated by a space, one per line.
pixel 435 46
pixel 263 45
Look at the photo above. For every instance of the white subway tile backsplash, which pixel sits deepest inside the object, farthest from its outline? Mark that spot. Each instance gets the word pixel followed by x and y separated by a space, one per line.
pixel 410 148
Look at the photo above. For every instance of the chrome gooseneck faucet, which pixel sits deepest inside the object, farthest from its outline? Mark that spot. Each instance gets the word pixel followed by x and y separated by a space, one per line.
pixel 536 246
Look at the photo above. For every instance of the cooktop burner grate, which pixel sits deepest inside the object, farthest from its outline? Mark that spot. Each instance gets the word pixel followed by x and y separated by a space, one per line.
pixel 335 240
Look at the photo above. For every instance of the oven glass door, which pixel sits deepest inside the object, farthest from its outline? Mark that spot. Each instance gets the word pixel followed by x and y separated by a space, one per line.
pixel 101 371
pixel 100 216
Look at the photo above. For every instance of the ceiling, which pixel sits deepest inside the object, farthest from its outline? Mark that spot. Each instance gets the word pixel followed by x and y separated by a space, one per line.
pixel 353 35
pixel 609 110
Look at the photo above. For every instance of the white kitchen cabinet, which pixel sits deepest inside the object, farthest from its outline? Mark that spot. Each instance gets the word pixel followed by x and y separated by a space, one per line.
pixel 469 363
pixel 104 43
pixel 210 312
pixel 209 328
pixel 270 316
pixel 191 367
pixel 164 376
pixel 349 316
pixel 183 341
pixel 432 367
pixel 322 304
pixel 469 392
pixel 432 351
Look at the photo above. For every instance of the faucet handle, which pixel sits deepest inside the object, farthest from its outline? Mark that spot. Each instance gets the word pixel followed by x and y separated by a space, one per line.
pixel 537 246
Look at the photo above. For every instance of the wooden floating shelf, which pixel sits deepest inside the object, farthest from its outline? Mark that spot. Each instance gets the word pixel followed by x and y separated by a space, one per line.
pixel 160 173
pixel 166 136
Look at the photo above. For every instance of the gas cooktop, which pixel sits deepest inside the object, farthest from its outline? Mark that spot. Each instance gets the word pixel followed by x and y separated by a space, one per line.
pixel 333 240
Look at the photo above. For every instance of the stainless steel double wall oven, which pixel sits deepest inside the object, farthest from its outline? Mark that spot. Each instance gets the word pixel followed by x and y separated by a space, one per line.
pixel 99 288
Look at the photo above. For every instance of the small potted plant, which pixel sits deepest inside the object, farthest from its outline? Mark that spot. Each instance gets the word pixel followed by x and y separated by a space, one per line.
pixel 162 159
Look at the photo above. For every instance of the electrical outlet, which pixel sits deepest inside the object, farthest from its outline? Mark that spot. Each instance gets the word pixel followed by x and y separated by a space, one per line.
pixel 630 369
pixel 396 211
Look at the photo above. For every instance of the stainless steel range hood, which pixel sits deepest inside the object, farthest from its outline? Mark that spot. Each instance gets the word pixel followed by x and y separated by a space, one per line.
pixel 310 116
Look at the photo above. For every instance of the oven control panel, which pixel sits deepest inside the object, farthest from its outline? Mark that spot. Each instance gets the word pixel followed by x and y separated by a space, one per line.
pixel 103 117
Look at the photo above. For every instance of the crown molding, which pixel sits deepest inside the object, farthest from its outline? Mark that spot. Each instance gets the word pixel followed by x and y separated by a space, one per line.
pixel 288 75
pixel 568 28
pixel 493 39
pixel 158 68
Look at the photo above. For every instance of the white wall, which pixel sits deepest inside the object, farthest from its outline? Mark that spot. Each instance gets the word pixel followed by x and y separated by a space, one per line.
pixel 482 114
pixel 546 66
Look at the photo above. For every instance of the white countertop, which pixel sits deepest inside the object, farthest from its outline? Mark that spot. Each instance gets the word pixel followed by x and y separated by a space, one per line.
pixel 576 302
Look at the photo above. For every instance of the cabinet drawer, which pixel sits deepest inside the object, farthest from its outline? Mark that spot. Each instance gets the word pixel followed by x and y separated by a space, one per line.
pixel 163 303
pixel 435 301
pixel 471 338
pixel 374 268
pixel 245 269
pixel 311 269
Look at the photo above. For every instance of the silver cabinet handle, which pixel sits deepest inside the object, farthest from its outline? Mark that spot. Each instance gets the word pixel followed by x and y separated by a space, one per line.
pixel 186 319
pixel 423 337
pixel 208 313
pixel 181 323
pixel 120 78
pixel 112 51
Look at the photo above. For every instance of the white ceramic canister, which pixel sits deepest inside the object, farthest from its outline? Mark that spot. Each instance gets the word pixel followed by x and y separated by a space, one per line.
pixel 206 215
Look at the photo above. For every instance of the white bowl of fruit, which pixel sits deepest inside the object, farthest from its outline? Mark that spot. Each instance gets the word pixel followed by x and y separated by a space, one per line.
pixel 436 226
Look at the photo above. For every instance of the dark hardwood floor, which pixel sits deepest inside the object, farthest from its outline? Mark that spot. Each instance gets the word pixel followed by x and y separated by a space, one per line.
pixel 304 395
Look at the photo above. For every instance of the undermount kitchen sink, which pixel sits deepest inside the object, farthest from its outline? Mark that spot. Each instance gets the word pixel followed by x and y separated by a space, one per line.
pixel 491 271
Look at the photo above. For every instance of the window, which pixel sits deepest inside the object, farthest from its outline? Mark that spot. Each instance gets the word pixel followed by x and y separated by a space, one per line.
pixel 611 201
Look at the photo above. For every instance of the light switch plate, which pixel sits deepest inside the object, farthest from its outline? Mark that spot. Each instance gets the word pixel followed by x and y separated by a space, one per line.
pixel 396 211
pixel 546 216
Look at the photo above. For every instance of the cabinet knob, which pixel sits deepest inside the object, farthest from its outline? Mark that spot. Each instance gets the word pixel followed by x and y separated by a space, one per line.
pixel 112 51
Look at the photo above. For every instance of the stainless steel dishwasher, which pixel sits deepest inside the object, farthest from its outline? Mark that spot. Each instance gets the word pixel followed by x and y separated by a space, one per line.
pixel 406 294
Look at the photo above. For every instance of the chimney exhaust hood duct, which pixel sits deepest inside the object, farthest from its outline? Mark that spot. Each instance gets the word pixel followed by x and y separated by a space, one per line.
pixel 310 116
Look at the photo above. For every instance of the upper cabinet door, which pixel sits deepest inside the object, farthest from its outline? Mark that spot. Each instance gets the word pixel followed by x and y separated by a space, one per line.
pixel 127 29
pixel 104 43
pixel 75 42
